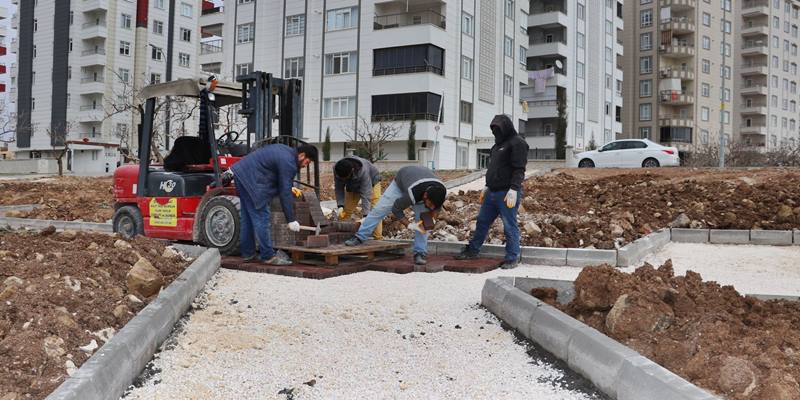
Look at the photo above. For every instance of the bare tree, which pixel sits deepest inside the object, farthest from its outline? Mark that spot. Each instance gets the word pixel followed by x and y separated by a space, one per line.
pixel 368 139
pixel 128 101
pixel 741 154
pixel 59 140
pixel 8 125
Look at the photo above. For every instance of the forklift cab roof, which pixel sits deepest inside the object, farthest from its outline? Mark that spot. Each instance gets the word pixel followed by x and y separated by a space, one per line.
pixel 225 93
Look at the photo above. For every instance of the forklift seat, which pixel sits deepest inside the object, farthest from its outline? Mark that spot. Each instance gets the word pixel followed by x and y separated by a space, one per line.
pixel 178 184
pixel 187 150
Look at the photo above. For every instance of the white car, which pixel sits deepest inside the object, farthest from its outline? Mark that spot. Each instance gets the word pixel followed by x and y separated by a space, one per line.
pixel 630 153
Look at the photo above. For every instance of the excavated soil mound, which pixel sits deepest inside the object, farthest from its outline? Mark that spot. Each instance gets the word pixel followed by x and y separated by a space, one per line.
pixel 561 210
pixel 62 199
pixel 60 292
pixel 735 346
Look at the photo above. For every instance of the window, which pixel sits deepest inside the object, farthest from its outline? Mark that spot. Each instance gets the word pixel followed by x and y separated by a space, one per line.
pixel 726 26
pixel 125 21
pixel 580 69
pixel 186 10
pixel 644 132
pixel 245 1
pixel 70 44
pixel 706 66
pixel 339 107
pixel 244 69
pixel 508 85
pixel 468 24
pixel 579 99
pixel 609 82
pixel 509 8
pixel 645 65
pixel 155 78
pixel 726 72
pixel 646 18
pixel 124 75
pixel 726 49
pixel 609 54
pixel 775 61
pixel 705 90
pixel 124 48
pixel 508 47
pixel 245 33
pixel 466 112
pixel 158 27
pixel 706 19
pixel 295 25
pixel 35 25
pixel 186 35
pixel 342 18
pixel 704 113
pixel 341 63
pixel 33 103
pixel 69 74
pixel 581 40
pixel 703 136
pixel 408 59
pixel 581 12
pixel 523 55
pixel 646 41
pixel 294 67
pixel 466 68
pixel 645 112
pixel 706 43
pixel 34 51
pixel 183 60
pixel 156 53
pixel 645 88
pixel 159 4
pixel 406 106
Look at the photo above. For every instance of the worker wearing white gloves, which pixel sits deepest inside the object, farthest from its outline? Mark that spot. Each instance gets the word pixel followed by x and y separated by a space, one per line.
pixel 501 196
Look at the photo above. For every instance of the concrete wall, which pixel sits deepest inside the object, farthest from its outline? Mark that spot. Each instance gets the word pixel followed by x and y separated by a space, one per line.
pixel 29 166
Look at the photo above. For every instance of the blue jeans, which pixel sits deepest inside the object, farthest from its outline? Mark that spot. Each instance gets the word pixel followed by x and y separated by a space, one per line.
pixel 384 208
pixel 254 223
pixel 494 204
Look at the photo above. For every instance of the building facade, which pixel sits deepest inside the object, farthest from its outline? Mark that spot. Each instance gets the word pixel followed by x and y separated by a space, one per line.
pixel 7 66
pixel 387 62
pixel 680 66
pixel 81 64
pixel 581 42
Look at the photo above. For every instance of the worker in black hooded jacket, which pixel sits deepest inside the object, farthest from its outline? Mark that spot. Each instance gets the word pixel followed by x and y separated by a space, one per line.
pixel 503 191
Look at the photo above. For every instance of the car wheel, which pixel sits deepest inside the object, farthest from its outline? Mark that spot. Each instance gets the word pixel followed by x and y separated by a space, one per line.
pixel 128 222
pixel 650 163
pixel 219 224
pixel 586 163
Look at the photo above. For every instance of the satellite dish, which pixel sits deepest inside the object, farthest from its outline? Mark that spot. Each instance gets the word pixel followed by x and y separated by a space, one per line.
pixel 559 64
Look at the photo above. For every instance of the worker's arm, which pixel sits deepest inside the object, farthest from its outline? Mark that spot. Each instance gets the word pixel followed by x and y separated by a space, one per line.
pixel 338 185
pixel 519 160
pixel 400 205
pixel 287 169
pixel 365 185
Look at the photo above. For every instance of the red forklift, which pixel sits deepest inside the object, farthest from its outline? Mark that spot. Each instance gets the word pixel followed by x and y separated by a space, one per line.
pixel 184 199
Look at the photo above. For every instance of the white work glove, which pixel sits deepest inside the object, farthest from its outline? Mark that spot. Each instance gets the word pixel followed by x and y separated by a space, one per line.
pixel 226 177
pixel 416 227
pixel 294 226
pixel 340 213
pixel 483 194
pixel 511 198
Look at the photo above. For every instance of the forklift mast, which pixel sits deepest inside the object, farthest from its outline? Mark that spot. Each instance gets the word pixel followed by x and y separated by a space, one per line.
pixel 265 99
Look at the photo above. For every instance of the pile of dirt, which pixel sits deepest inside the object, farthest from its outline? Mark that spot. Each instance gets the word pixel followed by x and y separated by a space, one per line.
pixel 63 295
pixel 735 346
pixel 63 199
pixel 608 211
pixel 328 192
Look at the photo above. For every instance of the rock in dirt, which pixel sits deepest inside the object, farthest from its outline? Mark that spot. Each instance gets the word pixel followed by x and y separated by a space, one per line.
pixel 532 229
pixel 70 367
pixel 737 377
pixel 48 231
pixel 781 387
pixel 93 246
pixel 682 221
pixel 616 231
pixel 52 346
pixel 66 320
pixel 120 311
pixel 144 279
pixel 72 283
pixel 169 252
pixel 11 396
pixel 39 257
pixel 785 214
pixel 121 244
pixel 13 280
pixel 133 299
pixel 634 313
pixel 9 291
pixel 69 234
pixel 105 334
pixel 89 348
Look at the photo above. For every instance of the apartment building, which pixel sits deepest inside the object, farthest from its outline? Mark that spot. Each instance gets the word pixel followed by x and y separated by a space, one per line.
pixel 77 58
pixel 580 41
pixel 450 66
pixel 679 67
pixel 767 92
pixel 6 64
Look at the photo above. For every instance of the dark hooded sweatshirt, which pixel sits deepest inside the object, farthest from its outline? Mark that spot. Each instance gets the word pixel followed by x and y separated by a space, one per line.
pixel 509 157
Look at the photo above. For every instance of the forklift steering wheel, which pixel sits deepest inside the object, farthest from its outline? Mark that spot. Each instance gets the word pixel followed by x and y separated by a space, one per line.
pixel 228 138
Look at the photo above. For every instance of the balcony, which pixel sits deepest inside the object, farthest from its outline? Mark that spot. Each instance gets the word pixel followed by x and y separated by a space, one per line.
pixel 678 25
pixel 211 47
pixel 679 5
pixel 95 5
pixel 90 113
pixel 15 21
pixel 391 21
pixel 755 30
pixel 754 89
pixel 14 46
pixel 677 73
pixel 13 70
pixel 548 17
pixel 751 69
pixel 676 136
pixel 676 98
pixel 754 129
pixel 94 30
pixel 755 48
pixel 3 13
pixel 753 109
pixel 755 8
pixel 676 120
pixel 92 85
pixel 541 47
pixel 93 57
pixel 678 50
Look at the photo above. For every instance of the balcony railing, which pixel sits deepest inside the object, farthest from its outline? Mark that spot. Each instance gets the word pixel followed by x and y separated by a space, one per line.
pixel 90 107
pixel 676 135
pixel 539 132
pixel 755 3
pixel 94 23
pixel 211 47
pixel 539 8
pixel 541 40
pixel 753 45
pixel 390 21
pixel 213 10
pixel 99 79
pixel 93 52
pixel 407 70
pixel 404 117
pixel 755 65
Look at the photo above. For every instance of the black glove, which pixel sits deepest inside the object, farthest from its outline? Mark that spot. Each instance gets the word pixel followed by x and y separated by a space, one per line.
pixel 227 177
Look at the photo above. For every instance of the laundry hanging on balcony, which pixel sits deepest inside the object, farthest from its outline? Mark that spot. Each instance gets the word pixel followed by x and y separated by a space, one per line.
pixel 540 78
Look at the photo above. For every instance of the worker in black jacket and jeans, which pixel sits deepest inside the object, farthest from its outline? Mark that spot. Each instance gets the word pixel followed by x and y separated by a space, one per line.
pixel 503 191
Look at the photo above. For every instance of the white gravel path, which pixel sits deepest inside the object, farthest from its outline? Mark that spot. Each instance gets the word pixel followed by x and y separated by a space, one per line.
pixel 750 269
pixel 368 336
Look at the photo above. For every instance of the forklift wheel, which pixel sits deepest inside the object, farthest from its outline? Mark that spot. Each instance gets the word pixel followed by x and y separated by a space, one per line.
pixel 219 224
pixel 128 222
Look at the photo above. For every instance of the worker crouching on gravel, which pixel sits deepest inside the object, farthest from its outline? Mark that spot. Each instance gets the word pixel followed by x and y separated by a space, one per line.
pixel 357 179
pixel 260 176
pixel 503 191
pixel 415 187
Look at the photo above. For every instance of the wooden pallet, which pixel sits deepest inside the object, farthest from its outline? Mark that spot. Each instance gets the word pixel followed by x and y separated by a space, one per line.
pixel 331 254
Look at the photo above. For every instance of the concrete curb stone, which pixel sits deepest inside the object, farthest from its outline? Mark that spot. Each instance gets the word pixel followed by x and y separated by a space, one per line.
pixel 585 257
pixel 597 357
pixel 634 252
pixel 729 236
pixel 774 238
pixel 683 235
pixel 796 239
pixel 19 223
pixel 115 365
pixel 544 255
pixel 640 378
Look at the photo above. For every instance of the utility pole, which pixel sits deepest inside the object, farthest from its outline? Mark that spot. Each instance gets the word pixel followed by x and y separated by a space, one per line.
pixel 725 5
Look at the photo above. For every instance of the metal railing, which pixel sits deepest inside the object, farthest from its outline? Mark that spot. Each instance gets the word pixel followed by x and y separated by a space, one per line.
pixel 90 79
pixel 755 3
pixel 211 47
pixel 677 19
pixel 90 107
pixel 755 65
pixel 539 132
pixel 541 40
pixel 428 17
pixel 407 70
pixel 94 23
pixel 404 117
pixel 93 51
pixel 743 105
pixel 546 8
pixel 676 116
pixel 753 45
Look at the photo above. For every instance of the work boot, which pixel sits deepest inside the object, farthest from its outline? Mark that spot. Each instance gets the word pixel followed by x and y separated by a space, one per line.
pixel 466 254
pixel 249 258
pixel 509 264
pixel 353 241
pixel 277 260
pixel 420 259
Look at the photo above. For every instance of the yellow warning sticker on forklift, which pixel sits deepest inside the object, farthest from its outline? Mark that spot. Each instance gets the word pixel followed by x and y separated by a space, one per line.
pixel 164 214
